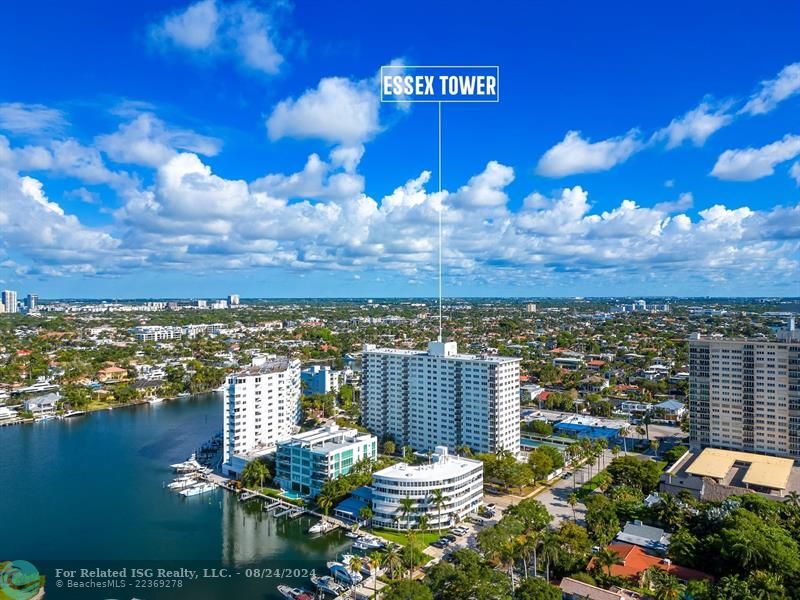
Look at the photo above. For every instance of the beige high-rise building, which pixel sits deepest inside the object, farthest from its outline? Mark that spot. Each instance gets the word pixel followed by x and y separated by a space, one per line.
pixel 744 394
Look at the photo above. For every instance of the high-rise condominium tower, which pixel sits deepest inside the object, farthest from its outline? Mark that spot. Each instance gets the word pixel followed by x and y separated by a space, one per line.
pixel 439 397
pixel 262 407
pixel 744 394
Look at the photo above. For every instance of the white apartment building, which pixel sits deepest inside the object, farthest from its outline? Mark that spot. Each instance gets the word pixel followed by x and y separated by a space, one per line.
pixel 262 407
pixel 744 394
pixel 459 479
pixel 320 380
pixel 439 397
pixel 10 301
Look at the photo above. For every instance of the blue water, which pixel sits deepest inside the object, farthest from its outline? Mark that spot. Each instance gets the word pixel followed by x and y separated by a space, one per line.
pixel 291 495
pixel 91 489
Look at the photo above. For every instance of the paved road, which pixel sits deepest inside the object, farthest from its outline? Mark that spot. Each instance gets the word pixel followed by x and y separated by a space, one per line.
pixel 555 499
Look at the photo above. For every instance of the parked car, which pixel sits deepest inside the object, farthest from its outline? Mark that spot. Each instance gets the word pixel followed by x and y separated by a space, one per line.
pixel 450 537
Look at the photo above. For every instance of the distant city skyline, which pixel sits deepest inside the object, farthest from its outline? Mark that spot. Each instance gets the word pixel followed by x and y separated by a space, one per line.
pixel 242 146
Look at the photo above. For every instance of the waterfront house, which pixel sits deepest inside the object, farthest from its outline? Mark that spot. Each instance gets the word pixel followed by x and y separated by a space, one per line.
pixel 42 405
pixel 111 374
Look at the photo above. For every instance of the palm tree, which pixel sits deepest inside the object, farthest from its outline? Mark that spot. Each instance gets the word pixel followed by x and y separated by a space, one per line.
pixel 654 445
pixel 325 502
pixel 371 563
pixel 438 499
pixel 572 500
pixel 355 565
pixel 464 450
pixel 255 472
pixel 550 552
pixel 606 559
pixel 391 560
pixel 422 524
pixel 623 433
pixel 406 507
pixel 793 500
pixel 365 514
pixel 667 587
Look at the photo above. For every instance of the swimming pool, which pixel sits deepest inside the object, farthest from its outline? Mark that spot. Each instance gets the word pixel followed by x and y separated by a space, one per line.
pixel 291 495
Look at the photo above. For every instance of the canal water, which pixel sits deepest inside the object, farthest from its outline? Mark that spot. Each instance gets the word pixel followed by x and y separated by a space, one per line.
pixel 89 492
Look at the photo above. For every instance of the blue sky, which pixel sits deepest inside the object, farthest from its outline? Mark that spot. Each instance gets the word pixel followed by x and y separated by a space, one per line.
pixel 204 148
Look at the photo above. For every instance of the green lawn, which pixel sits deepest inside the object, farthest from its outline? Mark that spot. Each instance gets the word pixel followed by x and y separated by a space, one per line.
pixel 421 540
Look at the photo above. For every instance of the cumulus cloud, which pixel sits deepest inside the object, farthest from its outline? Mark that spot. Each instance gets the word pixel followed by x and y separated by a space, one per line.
pixel 319 180
pixel 774 91
pixel 574 154
pixel 148 141
pixel 795 172
pixel 236 30
pixel 20 118
pixel 696 125
pixel 749 164
pixel 192 218
pixel 36 227
pixel 485 190
pixel 338 110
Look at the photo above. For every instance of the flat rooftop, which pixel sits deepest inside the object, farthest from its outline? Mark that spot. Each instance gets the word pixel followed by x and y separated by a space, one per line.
pixel 763 471
pixel 446 467
pixel 327 439
pixel 269 365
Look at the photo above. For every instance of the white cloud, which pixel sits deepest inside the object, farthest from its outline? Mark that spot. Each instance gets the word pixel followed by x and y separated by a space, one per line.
pixel 237 30
pixel 748 164
pixel 195 28
pixel 574 154
pixel 696 125
pixel 774 91
pixel 148 141
pixel 795 172
pixel 485 190
pixel 318 180
pixel 55 242
pixel 84 195
pixel 20 118
pixel 337 110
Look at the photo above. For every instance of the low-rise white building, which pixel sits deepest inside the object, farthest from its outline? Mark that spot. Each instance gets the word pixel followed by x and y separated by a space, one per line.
pixel 459 479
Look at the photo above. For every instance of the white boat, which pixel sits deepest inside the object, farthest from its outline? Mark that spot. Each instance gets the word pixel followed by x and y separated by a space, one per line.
pixel 73 413
pixel 183 395
pixel 370 543
pixel 327 585
pixel 182 482
pixel 155 400
pixel 343 574
pixel 322 526
pixel 188 466
pixel 294 593
pixel 353 535
pixel 197 489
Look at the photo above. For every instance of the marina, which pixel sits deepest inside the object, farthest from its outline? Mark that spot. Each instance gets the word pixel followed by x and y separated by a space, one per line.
pixel 122 461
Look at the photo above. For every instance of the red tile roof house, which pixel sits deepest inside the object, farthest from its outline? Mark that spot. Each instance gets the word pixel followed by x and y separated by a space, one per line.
pixel 636 561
